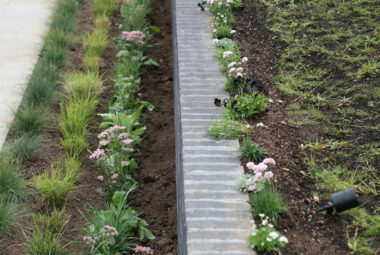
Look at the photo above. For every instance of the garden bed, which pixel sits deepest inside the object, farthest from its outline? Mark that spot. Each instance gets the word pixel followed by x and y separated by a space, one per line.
pixel 158 144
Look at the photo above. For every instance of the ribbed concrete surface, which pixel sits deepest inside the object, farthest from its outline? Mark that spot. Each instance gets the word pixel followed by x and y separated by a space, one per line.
pixel 217 215
pixel 22 26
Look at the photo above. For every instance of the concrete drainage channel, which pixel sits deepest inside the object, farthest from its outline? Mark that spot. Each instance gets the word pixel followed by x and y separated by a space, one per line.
pixel 213 217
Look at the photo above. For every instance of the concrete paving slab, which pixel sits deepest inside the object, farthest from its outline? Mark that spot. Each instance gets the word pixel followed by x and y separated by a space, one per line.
pixel 22 26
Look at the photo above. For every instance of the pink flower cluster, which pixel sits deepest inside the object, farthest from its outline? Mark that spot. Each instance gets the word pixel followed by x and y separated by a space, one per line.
pixel 144 250
pixel 97 154
pixel 226 54
pixel 109 231
pixel 108 132
pixel 136 36
pixel 260 171
pixel 235 69
pixel 89 240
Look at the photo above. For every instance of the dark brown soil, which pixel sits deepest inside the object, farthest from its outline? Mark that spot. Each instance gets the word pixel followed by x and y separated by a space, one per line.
pixel 308 233
pixel 155 199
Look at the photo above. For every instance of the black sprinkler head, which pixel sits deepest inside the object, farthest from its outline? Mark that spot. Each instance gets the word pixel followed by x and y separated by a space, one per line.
pixel 341 201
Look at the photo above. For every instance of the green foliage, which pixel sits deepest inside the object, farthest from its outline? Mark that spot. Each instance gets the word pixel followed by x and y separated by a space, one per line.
pixel 135 14
pixel 222 32
pixel 227 129
pixel 265 237
pixel 359 245
pixel 55 221
pixel 54 55
pixel 269 202
pixel 29 120
pixel 25 147
pixel 42 84
pixel 369 223
pixel 125 221
pixel 95 42
pixel 247 105
pixel 104 7
pixel 83 86
pixel 251 151
pixel 43 241
pixel 59 38
pixel 91 63
pixel 10 214
pixel 54 188
pixel 12 186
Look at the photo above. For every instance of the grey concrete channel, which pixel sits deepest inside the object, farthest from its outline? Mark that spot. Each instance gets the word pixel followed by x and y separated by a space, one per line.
pixel 213 217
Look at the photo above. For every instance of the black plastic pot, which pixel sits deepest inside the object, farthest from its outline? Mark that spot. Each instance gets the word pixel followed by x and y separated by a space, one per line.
pixel 341 201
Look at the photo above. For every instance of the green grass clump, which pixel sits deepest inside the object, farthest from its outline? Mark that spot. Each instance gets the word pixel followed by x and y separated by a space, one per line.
pixel 227 129
pixel 251 151
pixel 54 55
pixel 369 223
pixel 10 214
pixel 95 42
pixel 91 63
pixel 54 188
pixel 25 147
pixel 83 86
pixel 59 38
pixel 222 32
pixel 56 221
pixel 29 120
pixel 43 241
pixel 102 24
pixel 104 7
pixel 269 202
pixel 62 23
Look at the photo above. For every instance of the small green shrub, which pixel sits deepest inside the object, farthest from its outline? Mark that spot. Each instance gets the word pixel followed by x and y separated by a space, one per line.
pixel 70 167
pixel 121 222
pixel 29 120
pixel 43 242
pixel 269 202
pixel 247 105
pixel 251 151
pixel 222 32
pixel 75 145
pixel 83 86
pixel 54 55
pixel 25 147
pixel 54 188
pixel 227 129
pixel 10 214
pixel 102 24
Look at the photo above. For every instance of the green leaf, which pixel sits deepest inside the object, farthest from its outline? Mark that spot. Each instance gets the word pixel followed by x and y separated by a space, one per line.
pixel 155 29
pixel 151 62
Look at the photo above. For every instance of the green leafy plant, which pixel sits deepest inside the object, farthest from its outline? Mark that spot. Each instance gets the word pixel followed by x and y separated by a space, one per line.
pixel 122 224
pixel 95 42
pixel 54 55
pixel 104 7
pixel 251 151
pixel 269 202
pixel 227 128
pixel 247 105
pixel 265 237
pixel 56 221
pixel 222 31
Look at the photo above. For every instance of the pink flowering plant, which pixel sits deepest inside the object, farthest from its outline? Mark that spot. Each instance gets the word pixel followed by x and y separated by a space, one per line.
pixel 114 230
pixel 261 175
pixel 143 250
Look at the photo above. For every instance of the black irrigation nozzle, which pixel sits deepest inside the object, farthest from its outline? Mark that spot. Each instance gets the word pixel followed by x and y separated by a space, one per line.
pixel 341 201
pixel 202 5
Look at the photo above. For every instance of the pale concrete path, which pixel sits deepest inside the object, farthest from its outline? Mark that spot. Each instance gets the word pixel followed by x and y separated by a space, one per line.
pixel 216 215
pixel 22 26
